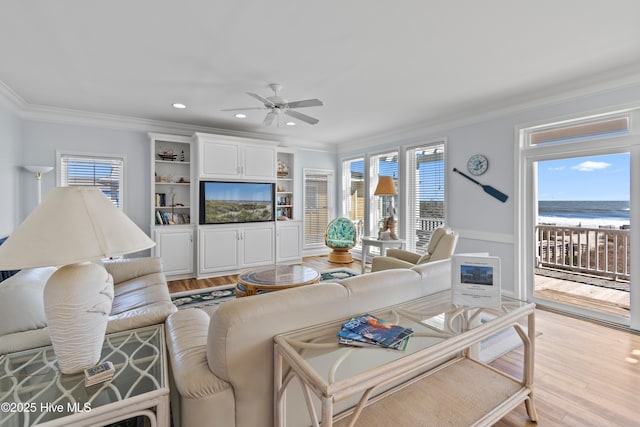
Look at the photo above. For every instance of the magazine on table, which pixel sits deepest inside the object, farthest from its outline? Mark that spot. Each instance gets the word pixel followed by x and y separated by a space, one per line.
pixel 348 337
pixel 370 329
pixel 475 281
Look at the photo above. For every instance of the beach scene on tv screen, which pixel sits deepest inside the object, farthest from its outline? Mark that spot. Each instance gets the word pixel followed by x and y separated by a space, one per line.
pixel 237 202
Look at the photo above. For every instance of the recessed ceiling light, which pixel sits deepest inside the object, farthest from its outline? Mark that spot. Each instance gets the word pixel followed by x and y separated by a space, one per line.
pixel 240 116
pixel 291 123
pixel 178 105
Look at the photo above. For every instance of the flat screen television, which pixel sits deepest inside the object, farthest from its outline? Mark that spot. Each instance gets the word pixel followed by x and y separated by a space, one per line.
pixel 236 202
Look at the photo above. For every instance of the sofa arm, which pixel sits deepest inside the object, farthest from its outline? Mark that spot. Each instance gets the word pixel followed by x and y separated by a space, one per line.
pixel 187 331
pixel 404 255
pixel 130 268
pixel 386 263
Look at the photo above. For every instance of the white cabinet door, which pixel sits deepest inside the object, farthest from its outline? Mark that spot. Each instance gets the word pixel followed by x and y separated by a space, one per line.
pixel 175 248
pixel 258 245
pixel 220 159
pixel 289 237
pixel 259 162
pixel 218 250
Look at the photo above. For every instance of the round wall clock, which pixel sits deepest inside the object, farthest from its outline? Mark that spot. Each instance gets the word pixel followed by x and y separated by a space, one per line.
pixel 477 164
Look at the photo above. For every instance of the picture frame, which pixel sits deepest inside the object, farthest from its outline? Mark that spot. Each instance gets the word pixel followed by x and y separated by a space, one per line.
pixel 476 281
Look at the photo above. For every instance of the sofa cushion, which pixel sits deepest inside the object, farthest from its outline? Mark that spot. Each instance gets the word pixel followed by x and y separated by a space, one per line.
pixel 240 340
pixel 21 302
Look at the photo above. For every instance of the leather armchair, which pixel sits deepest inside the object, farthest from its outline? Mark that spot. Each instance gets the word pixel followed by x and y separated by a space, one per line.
pixel 441 246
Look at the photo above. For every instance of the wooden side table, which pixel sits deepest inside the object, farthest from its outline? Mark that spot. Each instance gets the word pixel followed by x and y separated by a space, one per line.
pixel 369 241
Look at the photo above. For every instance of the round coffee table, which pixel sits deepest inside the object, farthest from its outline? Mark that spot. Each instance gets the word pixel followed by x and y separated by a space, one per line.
pixel 268 279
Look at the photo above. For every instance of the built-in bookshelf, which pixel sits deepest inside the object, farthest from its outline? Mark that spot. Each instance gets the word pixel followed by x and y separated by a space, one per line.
pixel 171 181
pixel 172 198
pixel 284 186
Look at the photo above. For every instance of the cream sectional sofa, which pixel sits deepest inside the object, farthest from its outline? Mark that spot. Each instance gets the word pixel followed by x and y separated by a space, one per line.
pixel 141 298
pixel 222 366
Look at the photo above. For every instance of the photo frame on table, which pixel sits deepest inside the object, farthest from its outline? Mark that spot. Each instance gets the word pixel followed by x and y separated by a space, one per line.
pixel 475 281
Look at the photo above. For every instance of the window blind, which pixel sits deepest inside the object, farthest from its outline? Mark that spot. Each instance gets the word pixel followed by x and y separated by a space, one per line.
pixel 316 208
pixel 426 194
pixel 580 131
pixel 102 172
pixel 384 165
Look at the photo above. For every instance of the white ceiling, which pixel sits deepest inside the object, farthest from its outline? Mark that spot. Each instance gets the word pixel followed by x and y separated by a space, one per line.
pixel 378 66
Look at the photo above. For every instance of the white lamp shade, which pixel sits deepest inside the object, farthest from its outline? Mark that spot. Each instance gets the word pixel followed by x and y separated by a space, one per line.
pixel 39 169
pixel 72 225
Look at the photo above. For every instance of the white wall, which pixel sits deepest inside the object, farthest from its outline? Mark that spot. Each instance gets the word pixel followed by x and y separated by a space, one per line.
pixel 10 170
pixel 486 224
pixel 42 139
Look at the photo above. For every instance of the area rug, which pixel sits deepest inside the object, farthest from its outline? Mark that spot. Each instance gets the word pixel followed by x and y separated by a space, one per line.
pixel 209 299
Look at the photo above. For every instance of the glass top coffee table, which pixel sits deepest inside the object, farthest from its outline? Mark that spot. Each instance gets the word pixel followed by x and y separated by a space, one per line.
pixel 437 380
pixel 274 278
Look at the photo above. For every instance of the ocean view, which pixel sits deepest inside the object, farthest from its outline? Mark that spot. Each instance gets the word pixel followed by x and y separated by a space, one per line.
pixel 583 213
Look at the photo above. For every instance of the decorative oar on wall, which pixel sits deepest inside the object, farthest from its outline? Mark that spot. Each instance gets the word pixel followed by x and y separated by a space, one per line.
pixel 487 188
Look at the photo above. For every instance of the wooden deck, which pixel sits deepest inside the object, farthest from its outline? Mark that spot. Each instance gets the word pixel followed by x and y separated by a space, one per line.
pixel 605 299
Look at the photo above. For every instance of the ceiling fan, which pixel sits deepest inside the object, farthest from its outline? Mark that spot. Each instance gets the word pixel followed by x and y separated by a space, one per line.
pixel 278 106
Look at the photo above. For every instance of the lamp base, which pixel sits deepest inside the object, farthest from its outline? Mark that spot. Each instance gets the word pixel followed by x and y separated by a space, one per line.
pixel 389 225
pixel 77 304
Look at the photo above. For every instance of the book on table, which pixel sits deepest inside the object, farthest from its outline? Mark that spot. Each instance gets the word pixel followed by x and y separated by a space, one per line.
pixel 371 330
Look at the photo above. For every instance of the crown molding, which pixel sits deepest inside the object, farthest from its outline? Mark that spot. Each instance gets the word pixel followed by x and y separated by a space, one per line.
pixel 620 78
pixel 42 113
pixel 10 99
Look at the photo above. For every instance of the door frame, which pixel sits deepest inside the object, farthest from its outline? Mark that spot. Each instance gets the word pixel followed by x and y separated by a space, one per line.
pixel 526 214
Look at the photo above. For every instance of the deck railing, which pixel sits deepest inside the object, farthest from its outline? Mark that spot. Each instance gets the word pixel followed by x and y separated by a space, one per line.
pixel 601 252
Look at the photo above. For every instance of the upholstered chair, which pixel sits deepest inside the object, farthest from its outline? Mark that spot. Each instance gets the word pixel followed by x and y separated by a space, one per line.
pixel 441 246
pixel 341 236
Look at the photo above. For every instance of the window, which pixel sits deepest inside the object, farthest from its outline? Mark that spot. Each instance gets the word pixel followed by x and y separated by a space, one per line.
pixel 385 164
pixel 580 130
pixel 317 206
pixel 106 173
pixel 353 193
pixel 425 194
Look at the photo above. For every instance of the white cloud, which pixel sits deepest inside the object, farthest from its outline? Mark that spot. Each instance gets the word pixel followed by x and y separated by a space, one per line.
pixel 559 168
pixel 591 166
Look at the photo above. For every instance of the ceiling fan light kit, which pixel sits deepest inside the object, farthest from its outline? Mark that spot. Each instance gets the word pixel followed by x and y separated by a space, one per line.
pixel 278 106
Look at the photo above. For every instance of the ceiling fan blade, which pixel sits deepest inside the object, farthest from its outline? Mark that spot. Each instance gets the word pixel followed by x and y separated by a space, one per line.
pixel 305 103
pixel 269 118
pixel 262 99
pixel 243 109
pixel 303 117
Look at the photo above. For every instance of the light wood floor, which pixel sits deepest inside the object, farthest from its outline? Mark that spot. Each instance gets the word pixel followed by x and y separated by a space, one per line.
pixel 585 374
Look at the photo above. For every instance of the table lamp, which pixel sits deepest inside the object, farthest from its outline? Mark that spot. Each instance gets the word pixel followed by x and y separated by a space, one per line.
pixel 386 187
pixel 72 227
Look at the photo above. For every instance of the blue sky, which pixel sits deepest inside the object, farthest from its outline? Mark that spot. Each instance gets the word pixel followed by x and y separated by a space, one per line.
pixel 585 178
pixel 238 191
